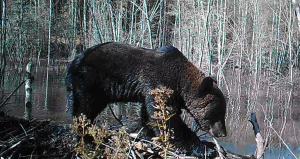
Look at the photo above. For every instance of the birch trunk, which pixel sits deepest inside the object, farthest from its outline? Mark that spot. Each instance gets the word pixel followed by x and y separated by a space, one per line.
pixel 28 90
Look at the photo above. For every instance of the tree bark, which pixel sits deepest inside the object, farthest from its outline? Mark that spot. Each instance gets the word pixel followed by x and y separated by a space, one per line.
pixel 28 90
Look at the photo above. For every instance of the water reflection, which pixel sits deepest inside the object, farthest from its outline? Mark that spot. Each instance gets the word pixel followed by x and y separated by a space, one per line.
pixel 56 94
pixel 270 153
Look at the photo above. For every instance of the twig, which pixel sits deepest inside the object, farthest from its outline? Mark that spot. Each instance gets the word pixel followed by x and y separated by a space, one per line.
pixel 107 145
pixel 11 147
pixel 218 148
pixel 140 155
pixel 23 129
pixel 281 138
pixel 28 131
pixel 12 93
pixel 134 141
pixel 172 153
pixel 115 115
pixel 133 155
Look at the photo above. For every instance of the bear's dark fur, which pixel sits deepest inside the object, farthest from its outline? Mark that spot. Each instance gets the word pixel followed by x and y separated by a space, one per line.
pixel 115 72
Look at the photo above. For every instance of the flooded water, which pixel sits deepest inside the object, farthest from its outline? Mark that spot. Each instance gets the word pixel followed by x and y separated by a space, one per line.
pixel 270 153
pixel 56 102
pixel 56 105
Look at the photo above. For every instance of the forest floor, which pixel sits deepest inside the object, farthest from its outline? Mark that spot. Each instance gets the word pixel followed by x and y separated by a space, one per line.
pixel 34 138
pixel 20 138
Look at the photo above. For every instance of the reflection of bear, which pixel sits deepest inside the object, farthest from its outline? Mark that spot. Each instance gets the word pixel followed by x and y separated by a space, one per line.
pixel 114 72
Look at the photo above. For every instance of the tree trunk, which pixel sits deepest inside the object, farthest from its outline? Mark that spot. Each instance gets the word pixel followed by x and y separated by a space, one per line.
pixel 28 90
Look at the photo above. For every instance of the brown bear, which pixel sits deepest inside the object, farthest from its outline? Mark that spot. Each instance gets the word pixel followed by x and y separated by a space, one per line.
pixel 115 72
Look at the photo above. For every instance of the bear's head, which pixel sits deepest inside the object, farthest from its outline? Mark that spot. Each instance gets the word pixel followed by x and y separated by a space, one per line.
pixel 208 107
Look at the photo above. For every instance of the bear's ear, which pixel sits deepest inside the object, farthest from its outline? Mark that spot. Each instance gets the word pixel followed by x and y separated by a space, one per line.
pixel 206 85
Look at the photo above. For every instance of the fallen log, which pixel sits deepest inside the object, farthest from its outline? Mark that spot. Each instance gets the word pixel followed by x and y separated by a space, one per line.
pixel 260 149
